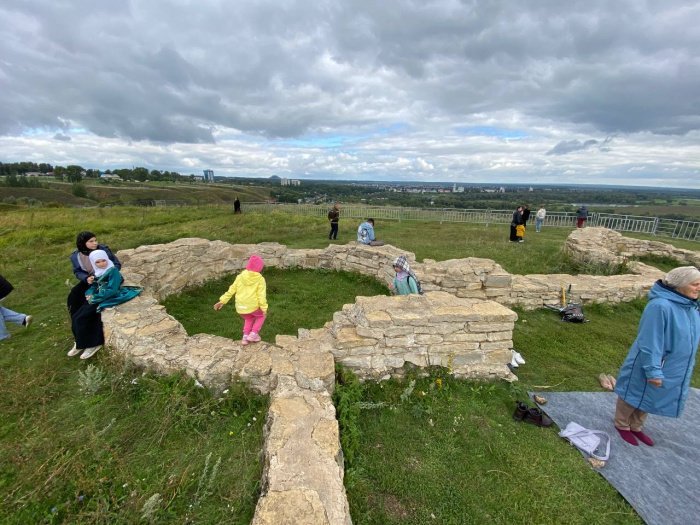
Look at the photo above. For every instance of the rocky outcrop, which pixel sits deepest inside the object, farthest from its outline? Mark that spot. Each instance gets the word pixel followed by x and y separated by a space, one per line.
pixel 600 245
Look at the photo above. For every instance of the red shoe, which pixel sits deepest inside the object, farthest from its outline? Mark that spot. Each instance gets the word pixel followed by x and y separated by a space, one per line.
pixel 641 436
pixel 628 436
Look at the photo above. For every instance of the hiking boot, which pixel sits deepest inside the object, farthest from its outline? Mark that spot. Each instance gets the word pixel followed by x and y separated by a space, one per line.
pixel 537 417
pixel 253 337
pixel 27 321
pixel 520 410
pixel 89 352
pixel 74 351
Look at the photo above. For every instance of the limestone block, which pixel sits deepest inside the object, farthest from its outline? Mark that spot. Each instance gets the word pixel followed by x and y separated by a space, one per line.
pixel 490 327
pixel 462 360
pixel 463 337
pixel 348 338
pixel 403 342
pixel 452 348
pixel 496 345
pixel 430 339
pixel 357 362
pixel 498 356
pixel 500 336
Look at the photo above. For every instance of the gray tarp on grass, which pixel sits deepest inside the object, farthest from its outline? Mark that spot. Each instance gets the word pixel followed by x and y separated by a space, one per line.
pixel 662 482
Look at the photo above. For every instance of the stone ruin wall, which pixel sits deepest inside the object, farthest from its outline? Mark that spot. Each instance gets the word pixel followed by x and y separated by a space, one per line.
pixel 457 324
pixel 608 246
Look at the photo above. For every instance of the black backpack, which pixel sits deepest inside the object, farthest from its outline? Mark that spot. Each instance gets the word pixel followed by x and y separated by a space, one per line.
pixel 572 313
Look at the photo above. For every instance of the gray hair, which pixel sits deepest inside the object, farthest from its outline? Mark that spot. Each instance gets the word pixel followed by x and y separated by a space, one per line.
pixel 682 276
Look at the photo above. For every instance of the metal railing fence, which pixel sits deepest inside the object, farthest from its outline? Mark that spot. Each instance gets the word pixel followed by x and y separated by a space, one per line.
pixel 675 229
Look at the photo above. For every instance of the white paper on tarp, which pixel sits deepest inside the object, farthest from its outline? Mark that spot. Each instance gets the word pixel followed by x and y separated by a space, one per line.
pixel 587 440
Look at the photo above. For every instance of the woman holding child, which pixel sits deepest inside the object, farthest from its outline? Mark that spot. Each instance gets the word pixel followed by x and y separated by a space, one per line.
pixel 99 287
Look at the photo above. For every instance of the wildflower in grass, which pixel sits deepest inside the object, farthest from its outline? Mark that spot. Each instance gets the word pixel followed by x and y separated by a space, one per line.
pixel 438 382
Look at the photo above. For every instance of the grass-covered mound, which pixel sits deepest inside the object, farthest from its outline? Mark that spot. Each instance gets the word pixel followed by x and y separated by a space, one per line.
pixel 109 445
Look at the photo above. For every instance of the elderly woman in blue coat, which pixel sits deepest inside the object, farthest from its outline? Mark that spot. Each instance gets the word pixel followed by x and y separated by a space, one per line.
pixel 655 377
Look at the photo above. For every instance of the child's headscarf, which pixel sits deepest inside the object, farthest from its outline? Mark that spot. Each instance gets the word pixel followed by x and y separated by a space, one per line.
pixel 96 255
pixel 402 262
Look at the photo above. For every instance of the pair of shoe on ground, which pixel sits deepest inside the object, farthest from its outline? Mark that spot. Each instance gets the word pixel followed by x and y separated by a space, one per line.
pixel 86 353
pixel 607 381
pixel 252 337
pixel 516 360
pixel 531 415
pixel 634 436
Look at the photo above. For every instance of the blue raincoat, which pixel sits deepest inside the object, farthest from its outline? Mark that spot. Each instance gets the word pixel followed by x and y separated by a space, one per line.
pixel 665 348
pixel 107 290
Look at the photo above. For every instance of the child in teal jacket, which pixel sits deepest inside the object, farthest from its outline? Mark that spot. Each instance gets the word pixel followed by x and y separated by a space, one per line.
pixel 107 289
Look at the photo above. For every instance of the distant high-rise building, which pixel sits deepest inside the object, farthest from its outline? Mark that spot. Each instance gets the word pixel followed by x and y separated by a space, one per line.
pixel 208 175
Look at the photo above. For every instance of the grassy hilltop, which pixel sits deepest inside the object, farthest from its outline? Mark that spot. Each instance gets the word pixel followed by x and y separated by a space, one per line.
pixel 108 444
pixel 95 193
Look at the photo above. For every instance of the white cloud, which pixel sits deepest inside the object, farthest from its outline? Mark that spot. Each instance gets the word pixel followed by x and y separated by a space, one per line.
pixel 464 91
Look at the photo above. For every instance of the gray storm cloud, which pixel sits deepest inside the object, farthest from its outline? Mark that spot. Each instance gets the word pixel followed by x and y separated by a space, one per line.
pixel 171 72
pixel 234 80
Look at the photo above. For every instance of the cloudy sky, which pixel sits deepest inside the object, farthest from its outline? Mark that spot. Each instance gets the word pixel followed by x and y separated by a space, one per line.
pixel 537 92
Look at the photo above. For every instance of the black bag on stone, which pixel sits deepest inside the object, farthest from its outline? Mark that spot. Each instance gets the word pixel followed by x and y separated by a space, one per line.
pixel 572 313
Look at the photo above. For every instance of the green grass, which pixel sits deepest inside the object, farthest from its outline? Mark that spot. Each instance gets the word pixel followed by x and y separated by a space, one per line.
pixel 296 299
pixel 69 456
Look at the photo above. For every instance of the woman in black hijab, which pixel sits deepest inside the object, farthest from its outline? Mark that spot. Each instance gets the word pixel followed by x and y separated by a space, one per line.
pixel 83 270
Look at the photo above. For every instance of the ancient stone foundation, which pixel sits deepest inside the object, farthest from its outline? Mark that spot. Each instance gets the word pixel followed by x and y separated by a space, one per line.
pixel 461 323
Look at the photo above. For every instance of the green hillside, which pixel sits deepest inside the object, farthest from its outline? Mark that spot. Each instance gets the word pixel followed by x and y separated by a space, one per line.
pixel 135 193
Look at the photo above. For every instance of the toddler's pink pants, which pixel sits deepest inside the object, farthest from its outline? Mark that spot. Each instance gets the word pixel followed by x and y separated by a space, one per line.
pixel 253 322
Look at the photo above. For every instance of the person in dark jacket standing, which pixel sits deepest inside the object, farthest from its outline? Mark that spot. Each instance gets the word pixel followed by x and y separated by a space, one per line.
pixel 517 220
pixel 526 214
pixel 236 205
pixel 581 216
pixel 334 217
pixel 7 315
pixel 655 376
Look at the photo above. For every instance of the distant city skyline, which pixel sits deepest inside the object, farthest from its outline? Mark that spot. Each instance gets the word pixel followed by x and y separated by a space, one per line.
pixel 460 92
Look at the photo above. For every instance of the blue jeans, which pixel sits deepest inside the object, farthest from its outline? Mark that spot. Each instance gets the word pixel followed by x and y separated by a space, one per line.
pixel 538 224
pixel 8 315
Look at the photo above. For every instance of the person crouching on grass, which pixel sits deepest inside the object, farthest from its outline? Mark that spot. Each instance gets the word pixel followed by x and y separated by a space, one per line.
pixel 250 290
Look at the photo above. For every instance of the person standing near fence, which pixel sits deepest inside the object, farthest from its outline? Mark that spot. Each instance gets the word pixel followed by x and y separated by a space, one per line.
pixel 237 205
pixel 581 216
pixel 515 222
pixel 539 219
pixel 334 217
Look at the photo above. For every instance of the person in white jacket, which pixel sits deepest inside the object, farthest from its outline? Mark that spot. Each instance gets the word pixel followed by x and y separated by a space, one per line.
pixel 539 219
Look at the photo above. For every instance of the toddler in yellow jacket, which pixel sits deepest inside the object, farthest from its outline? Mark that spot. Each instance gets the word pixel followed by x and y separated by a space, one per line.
pixel 251 299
